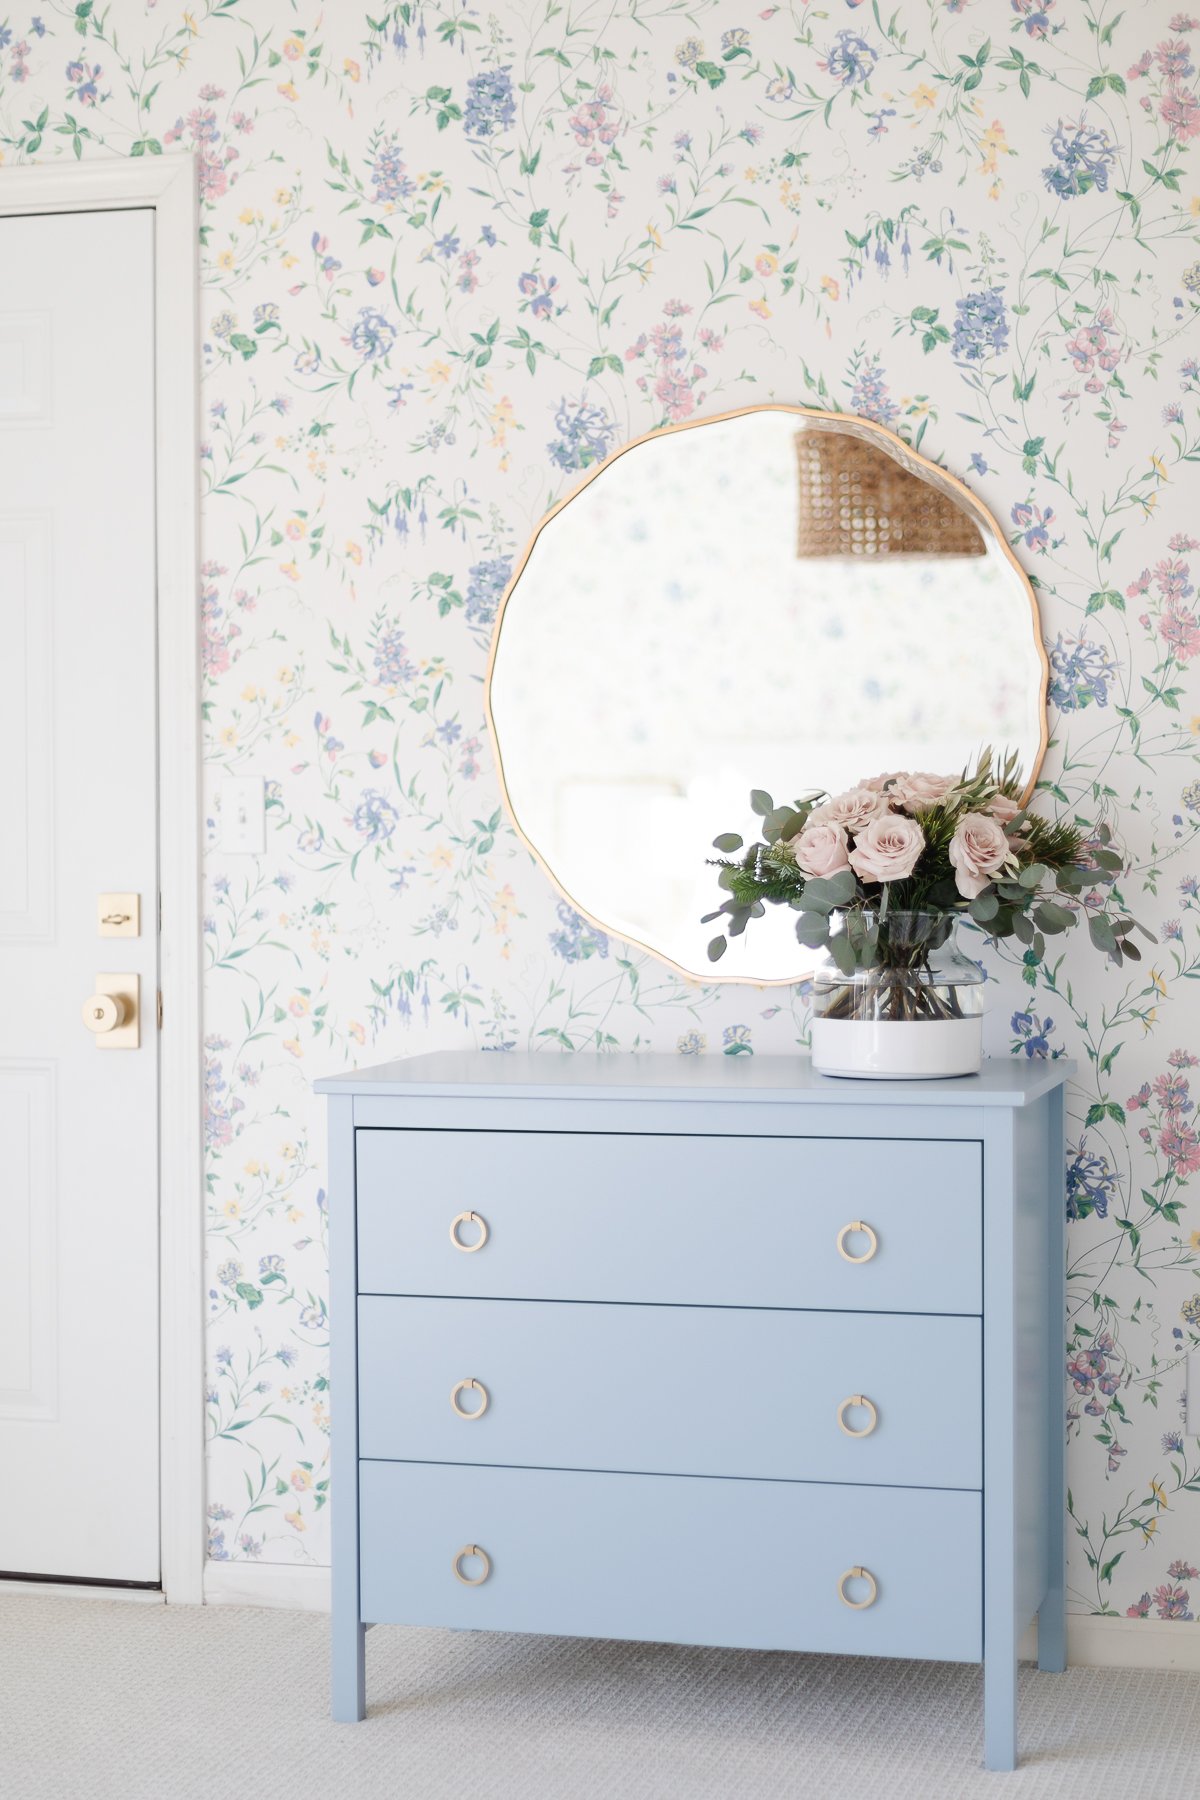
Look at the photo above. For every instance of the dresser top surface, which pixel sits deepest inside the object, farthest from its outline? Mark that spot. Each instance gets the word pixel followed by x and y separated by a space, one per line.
pixel 547 1075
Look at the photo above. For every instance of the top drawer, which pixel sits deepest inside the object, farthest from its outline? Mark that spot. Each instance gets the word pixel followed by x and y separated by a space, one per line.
pixel 693 1221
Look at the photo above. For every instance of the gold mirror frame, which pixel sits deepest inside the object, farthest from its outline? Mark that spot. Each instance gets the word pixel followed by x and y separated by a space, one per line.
pixel 816 420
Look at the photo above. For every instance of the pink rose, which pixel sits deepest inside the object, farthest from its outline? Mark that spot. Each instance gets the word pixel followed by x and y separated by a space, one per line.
pixel 877 783
pixel 888 849
pixel 851 810
pixel 821 849
pixel 917 793
pixel 978 851
pixel 1003 809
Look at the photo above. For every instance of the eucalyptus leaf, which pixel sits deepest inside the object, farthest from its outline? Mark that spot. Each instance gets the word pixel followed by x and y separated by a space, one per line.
pixel 826 892
pixel 984 907
pixel 812 930
pixel 1033 876
pixel 1050 917
pixel 1023 928
pixel 727 843
pixel 842 951
pixel 761 802
pixel 716 948
pixel 1102 933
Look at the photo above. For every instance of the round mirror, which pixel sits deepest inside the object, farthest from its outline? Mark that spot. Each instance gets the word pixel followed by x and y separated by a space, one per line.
pixel 778 598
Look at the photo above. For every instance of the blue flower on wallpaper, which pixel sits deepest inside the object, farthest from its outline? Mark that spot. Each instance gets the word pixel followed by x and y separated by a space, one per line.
pixel 851 60
pixel 372 334
pixel 1091 1184
pixel 1080 673
pixel 576 940
pixel 375 818
pixel 393 665
pixel 1032 1035
pixel 585 435
pixel 388 173
pixel 869 395
pixel 1083 155
pixel 980 326
pixel 490 105
pixel 486 581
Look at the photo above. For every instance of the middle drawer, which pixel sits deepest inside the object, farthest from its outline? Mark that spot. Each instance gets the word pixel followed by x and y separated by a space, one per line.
pixel 681 1390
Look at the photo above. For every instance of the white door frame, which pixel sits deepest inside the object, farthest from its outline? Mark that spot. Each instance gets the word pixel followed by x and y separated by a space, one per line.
pixel 168 185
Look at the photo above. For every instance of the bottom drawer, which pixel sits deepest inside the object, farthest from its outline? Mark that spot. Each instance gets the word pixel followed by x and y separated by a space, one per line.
pixel 674 1559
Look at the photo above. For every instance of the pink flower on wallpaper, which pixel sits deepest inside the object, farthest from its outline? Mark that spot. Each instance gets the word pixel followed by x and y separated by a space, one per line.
pixel 1180 631
pixel 1180 111
pixel 1181 1147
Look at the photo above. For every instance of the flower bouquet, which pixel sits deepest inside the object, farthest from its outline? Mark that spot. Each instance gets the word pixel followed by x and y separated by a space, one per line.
pixel 880 877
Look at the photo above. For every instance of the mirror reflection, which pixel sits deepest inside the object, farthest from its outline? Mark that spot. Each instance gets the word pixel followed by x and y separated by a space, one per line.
pixel 777 598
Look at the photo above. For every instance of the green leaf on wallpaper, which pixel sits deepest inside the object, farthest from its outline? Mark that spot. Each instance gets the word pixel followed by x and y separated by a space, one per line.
pixel 1023 389
pixel 246 1291
pixel 245 346
pixel 710 72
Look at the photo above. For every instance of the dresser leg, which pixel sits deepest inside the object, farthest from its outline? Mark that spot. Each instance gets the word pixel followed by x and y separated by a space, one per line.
pixel 348 1644
pixel 1052 1631
pixel 1000 1712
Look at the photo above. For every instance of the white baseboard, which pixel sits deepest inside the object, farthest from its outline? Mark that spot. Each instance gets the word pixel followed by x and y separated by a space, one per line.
pixel 1094 1643
pixel 300 1587
pixel 70 1590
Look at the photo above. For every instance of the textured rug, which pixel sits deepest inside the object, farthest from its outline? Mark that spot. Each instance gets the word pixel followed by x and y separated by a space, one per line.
pixel 100 1701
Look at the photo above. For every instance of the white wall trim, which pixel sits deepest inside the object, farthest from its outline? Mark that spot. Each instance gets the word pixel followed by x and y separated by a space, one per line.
pixel 78 1590
pixel 168 185
pixel 1107 1643
pixel 299 1587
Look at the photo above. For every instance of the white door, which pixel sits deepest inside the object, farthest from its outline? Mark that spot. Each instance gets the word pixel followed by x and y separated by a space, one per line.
pixel 78 1116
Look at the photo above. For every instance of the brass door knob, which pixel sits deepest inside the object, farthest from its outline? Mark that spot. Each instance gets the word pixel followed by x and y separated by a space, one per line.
pixel 471 1580
pixel 857 1225
pixel 104 1012
pixel 462 1387
pixel 868 1407
pixel 468 1218
pixel 858 1573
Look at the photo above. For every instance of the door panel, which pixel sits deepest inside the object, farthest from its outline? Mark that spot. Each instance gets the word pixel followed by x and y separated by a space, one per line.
pixel 78 1123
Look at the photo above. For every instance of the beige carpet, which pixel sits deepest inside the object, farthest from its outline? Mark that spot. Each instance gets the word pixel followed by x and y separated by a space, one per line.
pixel 111 1702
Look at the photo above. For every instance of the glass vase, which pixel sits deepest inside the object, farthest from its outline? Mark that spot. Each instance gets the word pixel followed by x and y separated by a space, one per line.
pixel 913 1011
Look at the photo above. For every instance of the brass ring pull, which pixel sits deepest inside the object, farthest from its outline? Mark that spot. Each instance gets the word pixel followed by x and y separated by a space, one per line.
pixel 872 1245
pixel 460 1387
pixel 468 1218
pixel 485 1559
pixel 857 1400
pixel 858 1574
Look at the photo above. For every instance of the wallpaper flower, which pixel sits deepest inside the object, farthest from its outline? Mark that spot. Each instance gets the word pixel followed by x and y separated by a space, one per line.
pixel 452 257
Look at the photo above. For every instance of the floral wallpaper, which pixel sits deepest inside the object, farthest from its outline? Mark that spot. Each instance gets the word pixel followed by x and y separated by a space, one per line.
pixel 452 256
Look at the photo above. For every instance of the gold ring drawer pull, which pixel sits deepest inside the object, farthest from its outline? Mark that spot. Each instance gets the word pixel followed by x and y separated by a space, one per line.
pixel 485 1559
pixel 872 1242
pixel 868 1405
pixel 461 1387
pixel 857 1574
pixel 468 1218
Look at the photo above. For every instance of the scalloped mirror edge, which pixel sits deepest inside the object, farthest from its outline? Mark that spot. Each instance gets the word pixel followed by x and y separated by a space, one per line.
pixel 815 419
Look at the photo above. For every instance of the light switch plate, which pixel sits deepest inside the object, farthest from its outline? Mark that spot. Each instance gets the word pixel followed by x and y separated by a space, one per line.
pixel 241 818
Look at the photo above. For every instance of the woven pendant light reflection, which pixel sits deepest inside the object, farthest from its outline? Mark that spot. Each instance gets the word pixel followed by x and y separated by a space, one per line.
pixel 855 501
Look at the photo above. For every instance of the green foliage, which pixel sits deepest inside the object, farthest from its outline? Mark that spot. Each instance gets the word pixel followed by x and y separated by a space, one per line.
pixel 1037 893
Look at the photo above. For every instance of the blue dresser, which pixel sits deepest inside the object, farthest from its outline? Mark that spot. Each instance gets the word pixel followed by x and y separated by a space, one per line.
pixel 700 1350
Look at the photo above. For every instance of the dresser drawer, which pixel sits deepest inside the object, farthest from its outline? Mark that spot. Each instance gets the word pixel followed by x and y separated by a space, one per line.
pixel 673 1389
pixel 731 1221
pixel 673 1559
